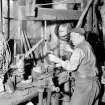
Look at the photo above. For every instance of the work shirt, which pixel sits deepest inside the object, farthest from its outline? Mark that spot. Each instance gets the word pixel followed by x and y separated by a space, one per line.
pixel 82 60
pixel 87 86
pixel 82 64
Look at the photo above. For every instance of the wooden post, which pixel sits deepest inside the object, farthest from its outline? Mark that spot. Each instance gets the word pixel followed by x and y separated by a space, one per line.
pixel 40 98
pixel 48 96
pixel 89 17
pixel 8 33
pixel 21 23
pixel 1 21
pixel 84 13
pixel 40 90
pixel 95 23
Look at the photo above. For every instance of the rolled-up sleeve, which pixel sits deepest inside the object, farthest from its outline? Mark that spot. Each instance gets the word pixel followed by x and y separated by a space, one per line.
pixel 74 61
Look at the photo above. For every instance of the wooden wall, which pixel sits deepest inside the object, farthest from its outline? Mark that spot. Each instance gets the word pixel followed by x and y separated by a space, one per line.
pixel 21 8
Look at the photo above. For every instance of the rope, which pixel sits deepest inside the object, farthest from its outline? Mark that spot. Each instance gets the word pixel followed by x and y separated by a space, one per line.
pixel 6 55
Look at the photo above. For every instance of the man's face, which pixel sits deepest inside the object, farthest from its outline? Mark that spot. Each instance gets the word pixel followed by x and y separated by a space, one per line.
pixel 62 32
pixel 75 38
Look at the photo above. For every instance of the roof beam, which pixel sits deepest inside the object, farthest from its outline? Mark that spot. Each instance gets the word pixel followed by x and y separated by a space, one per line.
pixel 54 14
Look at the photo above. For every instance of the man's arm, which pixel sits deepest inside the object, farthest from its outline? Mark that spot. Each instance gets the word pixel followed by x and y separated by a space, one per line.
pixel 71 64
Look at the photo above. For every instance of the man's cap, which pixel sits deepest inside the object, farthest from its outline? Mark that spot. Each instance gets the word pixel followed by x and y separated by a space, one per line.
pixel 78 30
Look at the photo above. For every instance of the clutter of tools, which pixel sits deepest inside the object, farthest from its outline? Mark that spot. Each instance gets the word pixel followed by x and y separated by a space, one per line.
pixel 40 74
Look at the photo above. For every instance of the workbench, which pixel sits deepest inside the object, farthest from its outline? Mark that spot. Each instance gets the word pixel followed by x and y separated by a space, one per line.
pixel 19 96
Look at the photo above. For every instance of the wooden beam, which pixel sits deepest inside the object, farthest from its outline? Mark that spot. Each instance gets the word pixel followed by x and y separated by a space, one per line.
pixel 53 14
pixel 90 19
pixel 66 1
pixel 71 1
pixel 84 13
pixel 50 14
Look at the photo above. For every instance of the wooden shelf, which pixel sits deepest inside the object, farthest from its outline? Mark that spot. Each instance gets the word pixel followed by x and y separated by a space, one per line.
pixel 54 14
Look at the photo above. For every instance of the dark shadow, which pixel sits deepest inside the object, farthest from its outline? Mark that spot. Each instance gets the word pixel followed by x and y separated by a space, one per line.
pixel 97 46
pixel 28 68
pixel 98 49
pixel 44 2
pixel 11 47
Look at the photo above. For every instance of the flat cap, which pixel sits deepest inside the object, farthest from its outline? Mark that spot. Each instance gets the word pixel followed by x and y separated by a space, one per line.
pixel 78 30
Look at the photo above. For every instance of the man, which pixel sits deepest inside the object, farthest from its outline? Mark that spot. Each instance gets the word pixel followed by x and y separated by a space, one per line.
pixel 61 31
pixel 56 37
pixel 63 38
pixel 83 66
pixel 65 49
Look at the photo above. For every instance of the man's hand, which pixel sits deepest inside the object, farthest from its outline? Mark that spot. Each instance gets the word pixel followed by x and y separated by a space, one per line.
pixel 54 59
pixel 68 48
pixel 58 65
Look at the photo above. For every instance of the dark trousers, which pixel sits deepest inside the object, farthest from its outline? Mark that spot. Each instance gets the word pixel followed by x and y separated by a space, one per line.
pixel 86 92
